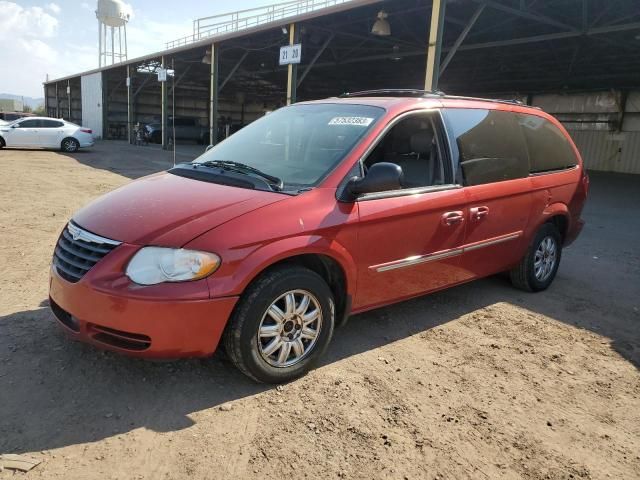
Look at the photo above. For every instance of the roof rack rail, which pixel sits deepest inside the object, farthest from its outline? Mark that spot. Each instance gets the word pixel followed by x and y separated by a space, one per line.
pixel 512 101
pixel 394 92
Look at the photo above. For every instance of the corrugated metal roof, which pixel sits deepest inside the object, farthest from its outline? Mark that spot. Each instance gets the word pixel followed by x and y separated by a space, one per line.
pixel 237 34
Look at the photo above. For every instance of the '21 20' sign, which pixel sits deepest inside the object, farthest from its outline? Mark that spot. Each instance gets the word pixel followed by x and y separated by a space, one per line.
pixel 290 54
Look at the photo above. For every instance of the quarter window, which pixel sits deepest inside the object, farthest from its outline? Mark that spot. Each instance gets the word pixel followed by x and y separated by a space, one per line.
pixel 548 148
pixel 490 144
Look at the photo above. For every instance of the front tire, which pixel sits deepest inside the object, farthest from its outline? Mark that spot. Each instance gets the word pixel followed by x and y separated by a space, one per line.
pixel 282 325
pixel 537 269
pixel 2 144
pixel 70 145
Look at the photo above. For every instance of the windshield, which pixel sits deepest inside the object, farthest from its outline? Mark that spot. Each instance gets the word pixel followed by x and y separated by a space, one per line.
pixel 299 145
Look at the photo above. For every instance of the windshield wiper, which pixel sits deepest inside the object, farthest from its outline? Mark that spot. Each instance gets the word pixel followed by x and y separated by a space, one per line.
pixel 238 167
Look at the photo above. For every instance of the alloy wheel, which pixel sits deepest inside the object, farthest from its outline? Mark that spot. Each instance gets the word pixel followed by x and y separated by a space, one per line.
pixel 289 328
pixel 544 260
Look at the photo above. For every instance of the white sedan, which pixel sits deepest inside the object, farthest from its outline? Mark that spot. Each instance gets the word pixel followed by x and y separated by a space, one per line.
pixel 42 132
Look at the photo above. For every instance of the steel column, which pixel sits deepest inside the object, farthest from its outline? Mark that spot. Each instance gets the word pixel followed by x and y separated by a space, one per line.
pixel 163 91
pixel 57 102
pixel 213 95
pixel 129 104
pixel 69 97
pixel 435 44
pixel 292 69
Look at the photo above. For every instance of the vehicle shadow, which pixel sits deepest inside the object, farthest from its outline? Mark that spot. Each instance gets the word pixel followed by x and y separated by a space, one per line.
pixel 133 161
pixel 50 383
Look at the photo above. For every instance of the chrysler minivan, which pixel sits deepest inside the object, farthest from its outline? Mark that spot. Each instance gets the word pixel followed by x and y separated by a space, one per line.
pixel 317 211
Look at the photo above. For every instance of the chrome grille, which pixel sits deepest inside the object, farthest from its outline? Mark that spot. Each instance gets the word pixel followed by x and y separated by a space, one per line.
pixel 77 251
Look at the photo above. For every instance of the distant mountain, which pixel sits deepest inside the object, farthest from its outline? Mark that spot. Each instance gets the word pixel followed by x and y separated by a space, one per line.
pixel 32 102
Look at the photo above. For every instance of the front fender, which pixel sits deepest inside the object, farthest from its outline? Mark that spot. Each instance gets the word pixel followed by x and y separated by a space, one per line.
pixel 240 268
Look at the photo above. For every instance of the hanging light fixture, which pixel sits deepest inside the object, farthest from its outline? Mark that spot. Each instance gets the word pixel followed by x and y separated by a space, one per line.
pixel 381 26
pixel 207 58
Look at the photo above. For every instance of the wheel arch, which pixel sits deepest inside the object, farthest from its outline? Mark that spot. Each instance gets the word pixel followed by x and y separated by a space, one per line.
pixel 69 137
pixel 558 215
pixel 3 142
pixel 329 269
pixel 327 258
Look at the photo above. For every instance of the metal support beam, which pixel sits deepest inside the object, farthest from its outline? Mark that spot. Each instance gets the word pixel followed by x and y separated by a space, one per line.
pixel 57 102
pixel 525 14
pixel 233 70
pixel 177 80
pixel 69 97
pixel 129 105
pixel 292 69
pixel 163 92
pixel 461 37
pixel 315 58
pixel 435 44
pixel 144 82
pixel 213 95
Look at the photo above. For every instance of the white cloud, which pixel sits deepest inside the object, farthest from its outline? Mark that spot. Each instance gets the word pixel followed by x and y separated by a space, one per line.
pixel 31 22
pixel 29 36
pixel 54 7
pixel 36 43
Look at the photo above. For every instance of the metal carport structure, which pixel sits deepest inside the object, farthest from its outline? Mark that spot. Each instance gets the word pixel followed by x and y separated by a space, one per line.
pixel 578 59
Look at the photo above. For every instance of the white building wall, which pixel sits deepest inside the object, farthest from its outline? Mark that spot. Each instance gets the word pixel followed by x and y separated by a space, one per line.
pixel 92 116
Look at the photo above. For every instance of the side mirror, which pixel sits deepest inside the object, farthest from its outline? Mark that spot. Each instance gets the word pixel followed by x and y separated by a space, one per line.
pixel 209 147
pixel 381 177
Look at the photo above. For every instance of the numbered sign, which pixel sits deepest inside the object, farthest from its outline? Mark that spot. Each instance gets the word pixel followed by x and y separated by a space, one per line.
pixel 291 54
pixel 162 74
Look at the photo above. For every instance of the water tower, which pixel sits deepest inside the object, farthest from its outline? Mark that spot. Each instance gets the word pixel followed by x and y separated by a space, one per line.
pixel 113 16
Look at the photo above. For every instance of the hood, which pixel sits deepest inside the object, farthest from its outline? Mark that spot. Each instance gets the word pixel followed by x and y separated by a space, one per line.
pixel 168 210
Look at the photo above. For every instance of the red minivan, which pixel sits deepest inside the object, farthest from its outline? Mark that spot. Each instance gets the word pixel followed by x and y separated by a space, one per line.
pixel 317 211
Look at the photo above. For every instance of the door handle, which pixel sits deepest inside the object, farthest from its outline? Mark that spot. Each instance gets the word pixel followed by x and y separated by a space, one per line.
pixel 477 213
pixel 452 218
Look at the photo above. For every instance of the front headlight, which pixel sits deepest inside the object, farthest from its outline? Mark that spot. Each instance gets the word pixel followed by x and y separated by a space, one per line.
pixel 153 265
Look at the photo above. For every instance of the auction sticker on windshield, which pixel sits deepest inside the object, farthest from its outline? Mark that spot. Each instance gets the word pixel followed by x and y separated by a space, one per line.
pixel 357 121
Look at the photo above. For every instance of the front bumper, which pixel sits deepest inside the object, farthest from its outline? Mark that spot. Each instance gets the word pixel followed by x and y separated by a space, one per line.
pixel 164 321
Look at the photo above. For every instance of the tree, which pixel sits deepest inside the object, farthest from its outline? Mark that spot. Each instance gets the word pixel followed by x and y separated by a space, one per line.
pixel 26 109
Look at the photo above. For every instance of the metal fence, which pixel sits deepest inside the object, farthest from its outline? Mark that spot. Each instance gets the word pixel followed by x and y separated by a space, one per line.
pixel 206 27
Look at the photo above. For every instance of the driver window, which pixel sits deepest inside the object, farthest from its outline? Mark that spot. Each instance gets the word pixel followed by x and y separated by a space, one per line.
pixel 411 144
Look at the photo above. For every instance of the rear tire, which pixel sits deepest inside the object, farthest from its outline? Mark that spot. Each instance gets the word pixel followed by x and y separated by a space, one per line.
pixel 69 145
pixel 253 334
pixel 537 269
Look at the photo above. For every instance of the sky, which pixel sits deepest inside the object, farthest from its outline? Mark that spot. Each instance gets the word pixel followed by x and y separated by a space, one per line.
pixel 61 37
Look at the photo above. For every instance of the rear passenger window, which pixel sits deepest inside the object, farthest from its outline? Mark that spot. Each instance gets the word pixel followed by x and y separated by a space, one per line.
pixel 548 148
pixel 490 144
pixel 50 124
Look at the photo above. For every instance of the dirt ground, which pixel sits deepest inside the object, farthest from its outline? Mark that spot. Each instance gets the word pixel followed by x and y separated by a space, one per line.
pixel 480 381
